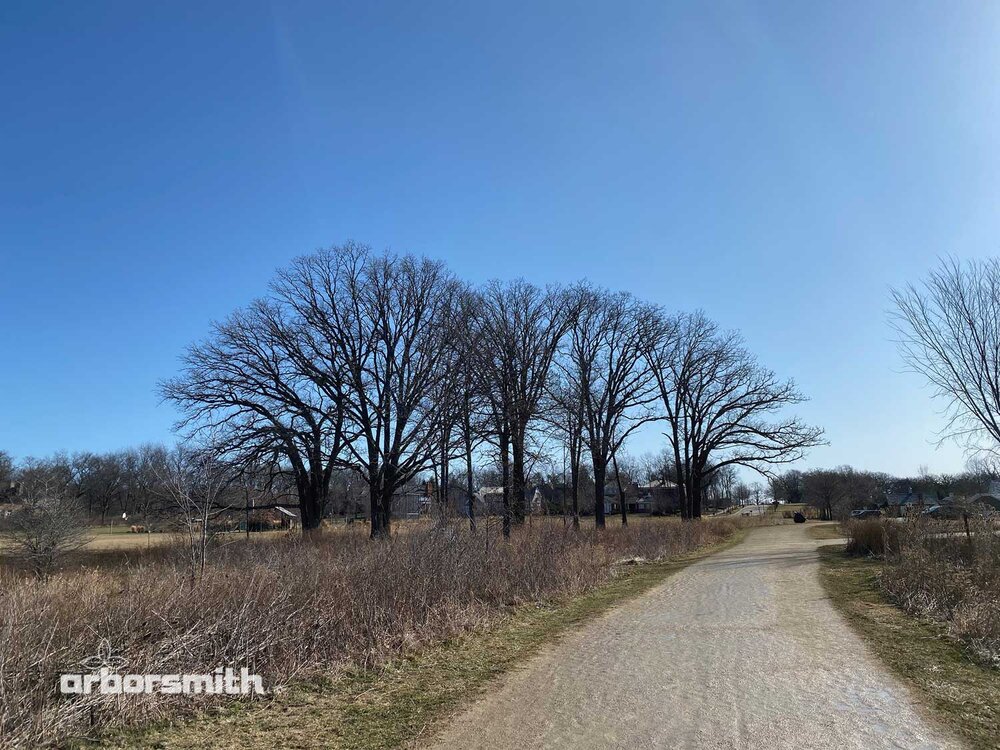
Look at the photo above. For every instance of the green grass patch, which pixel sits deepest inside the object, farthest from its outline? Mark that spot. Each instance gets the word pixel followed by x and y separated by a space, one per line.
pixel 410 698
pixel 961 693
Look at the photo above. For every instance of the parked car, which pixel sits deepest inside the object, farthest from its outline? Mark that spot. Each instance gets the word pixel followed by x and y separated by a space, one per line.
pixel 799 518
pixel 943 512
pixel 866 513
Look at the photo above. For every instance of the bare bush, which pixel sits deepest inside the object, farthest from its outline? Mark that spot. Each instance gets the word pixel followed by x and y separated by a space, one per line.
pixel 42 530
pixel 872 537
pixel 286 610
pixel 939 571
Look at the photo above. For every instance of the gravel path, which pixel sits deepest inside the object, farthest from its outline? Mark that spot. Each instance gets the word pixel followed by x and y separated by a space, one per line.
pixel 741 650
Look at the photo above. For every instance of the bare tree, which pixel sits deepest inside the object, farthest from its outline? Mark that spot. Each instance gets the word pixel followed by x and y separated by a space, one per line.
pixel 6 475
pixel 786 487
pixel 721 406
pixel 518 330
pixel 196 480
pixel 823 489
pixel 949 332
pixel 384 324
pixel 605 365
pixel 254 388
pixel 142 467
pixel 45 527
pixel 566 417
pixel 472 405
pixel 100 479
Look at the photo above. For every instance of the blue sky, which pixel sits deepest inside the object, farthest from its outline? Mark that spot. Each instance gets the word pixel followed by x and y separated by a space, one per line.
pixel 779 165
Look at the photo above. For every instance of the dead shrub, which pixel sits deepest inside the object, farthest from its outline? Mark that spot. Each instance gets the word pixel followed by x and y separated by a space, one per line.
pixel 940 572
pixel 285 609
pixel 872 537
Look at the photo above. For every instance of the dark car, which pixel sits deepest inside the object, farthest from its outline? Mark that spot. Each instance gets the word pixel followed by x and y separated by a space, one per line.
pixel 866 513
pixel 943 512
pixel 799 518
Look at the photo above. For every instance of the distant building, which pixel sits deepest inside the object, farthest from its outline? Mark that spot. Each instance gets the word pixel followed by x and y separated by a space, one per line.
pixel 664 495
pixel 413 501
pixel 260 519
pixel 659 497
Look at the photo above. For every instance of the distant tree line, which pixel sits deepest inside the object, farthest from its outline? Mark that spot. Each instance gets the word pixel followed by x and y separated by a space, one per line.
pixel 838 491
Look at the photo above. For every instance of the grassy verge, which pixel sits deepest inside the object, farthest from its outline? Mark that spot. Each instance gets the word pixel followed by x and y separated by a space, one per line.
pixel 410 698
pixel 962 693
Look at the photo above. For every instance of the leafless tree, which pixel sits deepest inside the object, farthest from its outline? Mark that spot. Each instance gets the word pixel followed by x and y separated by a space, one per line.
pixel 142 468
pixel 197 480
pixel 46 525
pixel 566 416
pixel 720 405
pixel 518 329
pixel 101 480
pixel 6 475
pixel 472 404
pixel 822 489
pixel 949 332
pixel 604 364
pixel 458 411
pixel 786 487
pixel 384 324
pixel 252 386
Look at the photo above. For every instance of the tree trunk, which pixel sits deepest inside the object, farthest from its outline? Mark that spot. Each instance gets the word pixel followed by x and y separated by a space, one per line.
pixel 387 492
pixel 696 495
pixel 682 489
pixel 380 508
pixel 505 474
pixel 621 491
pixel 311 507
pixel 518 481
pixel 574 473
pixel 600 474
pixel 443 485
pixel 469 487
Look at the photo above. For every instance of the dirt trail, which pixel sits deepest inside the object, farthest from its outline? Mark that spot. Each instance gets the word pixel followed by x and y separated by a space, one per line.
pixel 739 651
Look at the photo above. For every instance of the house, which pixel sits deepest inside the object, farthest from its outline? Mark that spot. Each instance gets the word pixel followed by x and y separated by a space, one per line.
pixel 288 518
pixel 413 501
pixel 981 504
pixel 664 496
pixel 489 501
pixel 903 502
pixel 986 501
pixel 637 499
pixel 261 519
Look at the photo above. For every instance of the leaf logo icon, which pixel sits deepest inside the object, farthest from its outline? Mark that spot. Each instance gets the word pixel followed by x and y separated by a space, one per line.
pixel 105 658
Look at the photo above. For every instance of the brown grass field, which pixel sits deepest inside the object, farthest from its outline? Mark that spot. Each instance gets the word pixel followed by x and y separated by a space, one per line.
pixel 291 610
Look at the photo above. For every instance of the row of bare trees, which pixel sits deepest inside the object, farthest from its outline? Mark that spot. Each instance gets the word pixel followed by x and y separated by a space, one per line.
pixel 835 492
pixel 99 485
pixel 47 504
pixel 391 367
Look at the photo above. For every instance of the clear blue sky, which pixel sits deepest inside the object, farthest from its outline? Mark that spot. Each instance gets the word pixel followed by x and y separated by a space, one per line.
pixel 777 164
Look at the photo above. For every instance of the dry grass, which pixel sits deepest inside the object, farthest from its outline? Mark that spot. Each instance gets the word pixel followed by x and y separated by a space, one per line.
pixel 828 530
pixel 286 610
pixel 409 697
pixel 961 692
pixel 872 536
pixel 951 578
pixel 937 570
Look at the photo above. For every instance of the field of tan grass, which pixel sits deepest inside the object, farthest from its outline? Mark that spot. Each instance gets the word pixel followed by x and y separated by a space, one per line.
pixel 286 609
